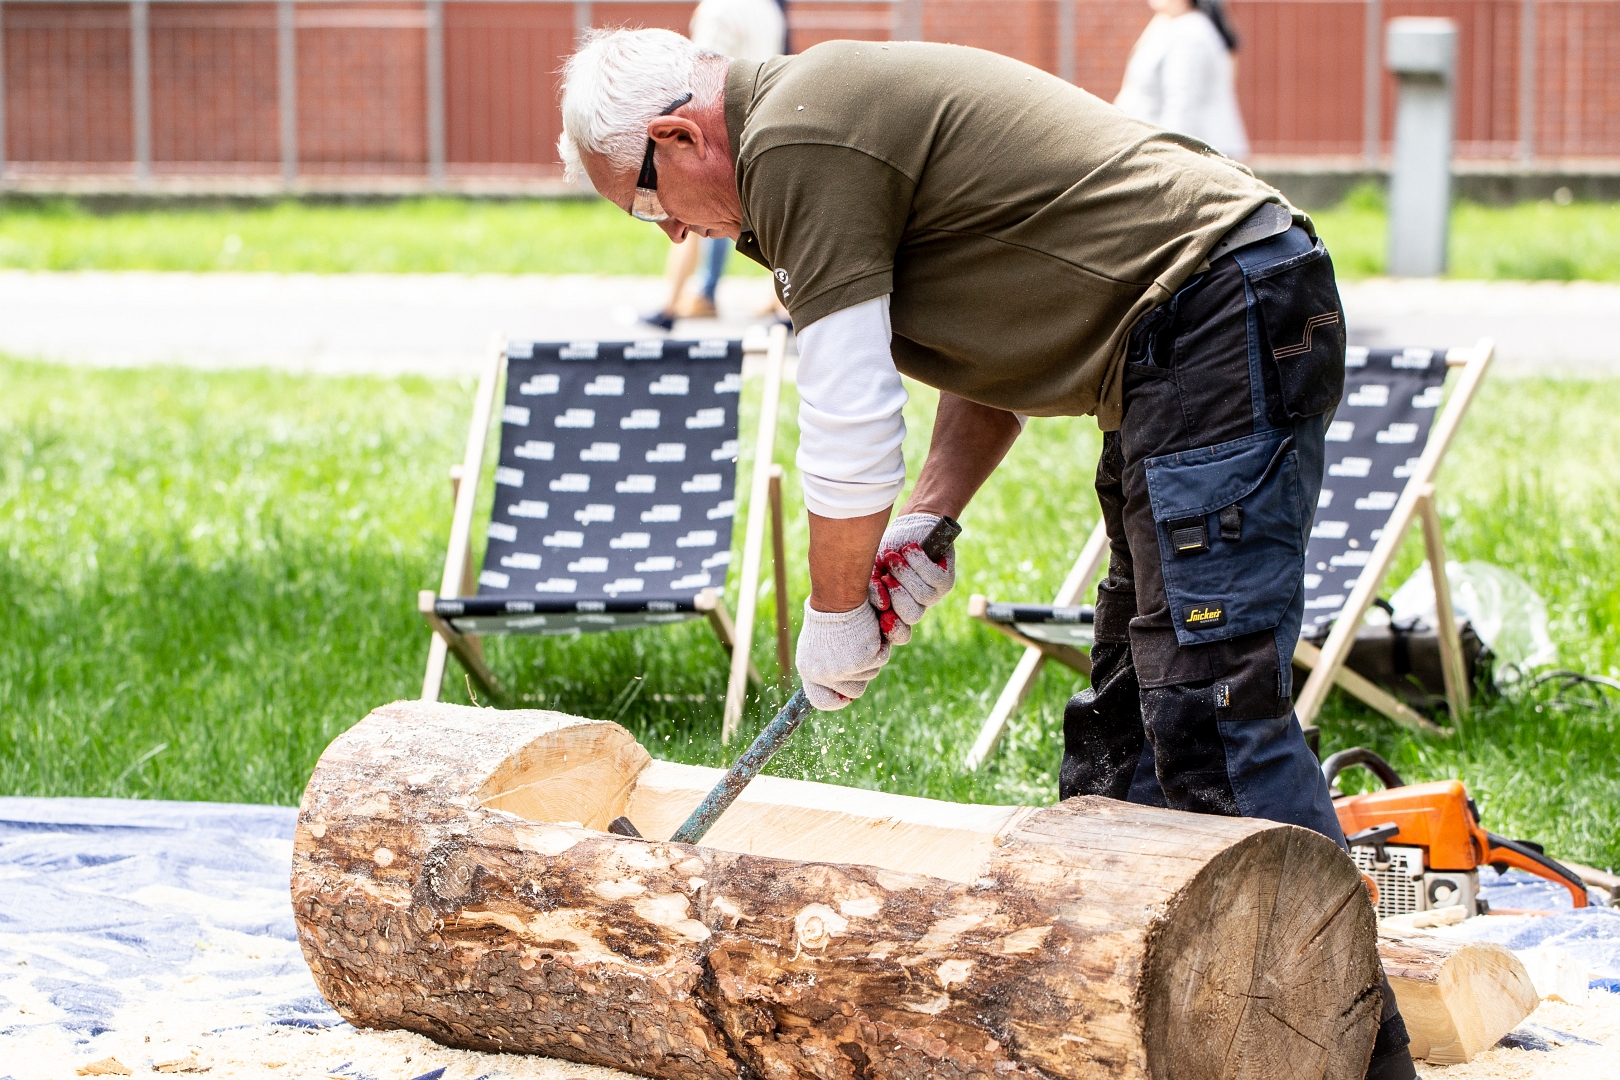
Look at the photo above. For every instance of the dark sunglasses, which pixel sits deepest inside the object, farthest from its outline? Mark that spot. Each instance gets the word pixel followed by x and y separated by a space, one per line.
pixel 645 206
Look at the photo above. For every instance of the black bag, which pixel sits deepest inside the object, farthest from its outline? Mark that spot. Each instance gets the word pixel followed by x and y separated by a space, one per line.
pixel 1405 660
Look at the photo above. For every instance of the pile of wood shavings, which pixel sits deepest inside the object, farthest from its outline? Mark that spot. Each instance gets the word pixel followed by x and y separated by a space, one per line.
pixel 268 1052
pixel 1596 1024
pixel 1585 1040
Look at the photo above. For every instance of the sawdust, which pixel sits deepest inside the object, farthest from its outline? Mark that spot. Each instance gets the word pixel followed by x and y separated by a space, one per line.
pixel 212 1017
pixel 269 1052
pixel 1584 1041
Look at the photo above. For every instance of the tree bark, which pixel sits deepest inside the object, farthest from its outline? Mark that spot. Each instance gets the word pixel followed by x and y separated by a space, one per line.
pixel 450 877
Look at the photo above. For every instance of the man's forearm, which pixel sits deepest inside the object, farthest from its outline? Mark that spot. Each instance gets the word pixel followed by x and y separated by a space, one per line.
pixel 969 441
pixel 842 551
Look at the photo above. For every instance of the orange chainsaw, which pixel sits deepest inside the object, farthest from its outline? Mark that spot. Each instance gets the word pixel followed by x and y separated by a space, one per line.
pixel 1423 845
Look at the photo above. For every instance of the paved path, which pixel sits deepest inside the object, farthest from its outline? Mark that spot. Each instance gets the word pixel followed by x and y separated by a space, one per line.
pixel 437 324
pixel 431 324
pixel 1540 327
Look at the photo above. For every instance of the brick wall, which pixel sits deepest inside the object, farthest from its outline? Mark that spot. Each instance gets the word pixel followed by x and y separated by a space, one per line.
pixel 214 83
pixel 362 84
pixel 67 83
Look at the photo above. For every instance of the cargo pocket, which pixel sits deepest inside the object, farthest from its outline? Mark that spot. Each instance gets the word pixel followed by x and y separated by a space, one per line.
pixel 1303 337
pixel 1230 521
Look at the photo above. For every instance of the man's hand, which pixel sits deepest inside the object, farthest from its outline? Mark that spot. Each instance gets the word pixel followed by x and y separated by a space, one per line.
pixel 838 654
pixel 841 647
pixel 905 581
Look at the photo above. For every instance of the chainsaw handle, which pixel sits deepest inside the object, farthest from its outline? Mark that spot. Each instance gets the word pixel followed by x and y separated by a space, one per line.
pixel 1360 755
pixel 1500 849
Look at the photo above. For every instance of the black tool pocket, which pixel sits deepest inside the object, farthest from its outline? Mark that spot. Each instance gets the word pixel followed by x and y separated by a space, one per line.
pixel 1303 338
pixel 1231 524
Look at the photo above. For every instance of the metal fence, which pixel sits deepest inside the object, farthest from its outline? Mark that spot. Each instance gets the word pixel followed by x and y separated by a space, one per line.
pixel 461 93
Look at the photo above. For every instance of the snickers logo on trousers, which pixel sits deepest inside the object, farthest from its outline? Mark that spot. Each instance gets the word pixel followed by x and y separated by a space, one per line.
pixel 1204 616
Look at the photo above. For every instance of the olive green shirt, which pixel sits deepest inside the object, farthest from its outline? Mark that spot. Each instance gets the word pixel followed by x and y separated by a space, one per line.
pixel 1019 225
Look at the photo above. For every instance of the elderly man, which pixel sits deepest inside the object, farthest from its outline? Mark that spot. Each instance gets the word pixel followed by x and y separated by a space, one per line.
pixel 1002 235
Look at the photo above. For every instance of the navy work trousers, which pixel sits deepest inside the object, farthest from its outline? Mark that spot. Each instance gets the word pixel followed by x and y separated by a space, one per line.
pixel 1208 490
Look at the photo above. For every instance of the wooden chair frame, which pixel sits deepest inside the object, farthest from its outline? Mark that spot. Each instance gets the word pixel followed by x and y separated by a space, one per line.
pixel 1416 501
pixel 736 635
pixel 1326 665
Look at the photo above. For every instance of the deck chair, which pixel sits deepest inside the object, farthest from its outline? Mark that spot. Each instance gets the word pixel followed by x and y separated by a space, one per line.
pixel 613 502
pixel 1373 490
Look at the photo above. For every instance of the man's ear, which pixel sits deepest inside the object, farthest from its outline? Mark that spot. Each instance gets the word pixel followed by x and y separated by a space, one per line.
pixel 677 130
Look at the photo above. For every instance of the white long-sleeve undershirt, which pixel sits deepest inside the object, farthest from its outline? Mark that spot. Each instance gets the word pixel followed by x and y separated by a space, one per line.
pixel 850 426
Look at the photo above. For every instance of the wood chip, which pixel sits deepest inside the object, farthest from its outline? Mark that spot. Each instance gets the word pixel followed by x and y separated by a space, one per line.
pixel 107 1066
pixel 188 1064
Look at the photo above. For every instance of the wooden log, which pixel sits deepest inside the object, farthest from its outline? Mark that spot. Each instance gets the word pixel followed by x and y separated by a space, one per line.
pixel 1458 997
pixel 450 877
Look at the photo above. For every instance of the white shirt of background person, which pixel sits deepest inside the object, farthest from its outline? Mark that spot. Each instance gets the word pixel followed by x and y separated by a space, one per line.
pixel 741 29
pixel 1181 77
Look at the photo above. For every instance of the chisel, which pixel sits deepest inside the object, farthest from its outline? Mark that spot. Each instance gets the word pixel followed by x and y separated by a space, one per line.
pixel 779 730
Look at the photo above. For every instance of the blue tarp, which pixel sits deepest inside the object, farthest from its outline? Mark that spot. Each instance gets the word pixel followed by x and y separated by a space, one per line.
pixel 1590 934
pixel 107 902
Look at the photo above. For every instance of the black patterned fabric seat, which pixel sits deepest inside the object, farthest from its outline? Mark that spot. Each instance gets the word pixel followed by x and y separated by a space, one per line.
pixel 1373 444
pixel 614 492
pixel 1380 466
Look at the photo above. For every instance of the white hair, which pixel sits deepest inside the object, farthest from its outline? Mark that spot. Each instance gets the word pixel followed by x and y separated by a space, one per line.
pixel 618 81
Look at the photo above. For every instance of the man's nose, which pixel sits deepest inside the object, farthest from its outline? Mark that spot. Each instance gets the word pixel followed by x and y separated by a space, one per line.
pixel 674 229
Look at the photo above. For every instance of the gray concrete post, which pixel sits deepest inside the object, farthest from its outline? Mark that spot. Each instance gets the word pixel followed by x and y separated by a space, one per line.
pixel 287 87
pixel 435 94
pixel 1527 80
pixel 1372 90
pixel 907 16
pixel 1065 41
pixel 140 68
pixel 1422 53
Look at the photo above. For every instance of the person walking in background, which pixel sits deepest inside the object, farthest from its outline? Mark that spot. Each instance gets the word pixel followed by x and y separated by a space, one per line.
pixel 1181 75
pixel 743 30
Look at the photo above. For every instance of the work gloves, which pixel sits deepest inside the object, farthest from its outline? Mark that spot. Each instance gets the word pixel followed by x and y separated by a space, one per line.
pixel 839 653
pixel 905 582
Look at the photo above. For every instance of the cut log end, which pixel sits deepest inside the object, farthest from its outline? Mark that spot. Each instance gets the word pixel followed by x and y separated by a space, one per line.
pixel 1245 980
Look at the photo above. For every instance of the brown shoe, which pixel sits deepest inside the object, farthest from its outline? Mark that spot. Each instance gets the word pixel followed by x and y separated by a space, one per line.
pixel 696 307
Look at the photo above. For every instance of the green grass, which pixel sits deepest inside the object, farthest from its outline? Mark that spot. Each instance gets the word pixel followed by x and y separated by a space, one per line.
pixel 1529 241
pixel 1532 241
pixel 412 236
pixel 205 577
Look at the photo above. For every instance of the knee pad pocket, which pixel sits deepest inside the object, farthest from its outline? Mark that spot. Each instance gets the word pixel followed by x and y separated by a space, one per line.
pixel 1231 524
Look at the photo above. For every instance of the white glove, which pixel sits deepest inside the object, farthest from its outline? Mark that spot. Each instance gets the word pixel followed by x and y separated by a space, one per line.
pixel 905 582
pixel 839 653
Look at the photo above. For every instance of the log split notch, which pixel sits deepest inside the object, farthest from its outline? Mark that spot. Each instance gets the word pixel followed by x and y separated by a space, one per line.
pixel 451 877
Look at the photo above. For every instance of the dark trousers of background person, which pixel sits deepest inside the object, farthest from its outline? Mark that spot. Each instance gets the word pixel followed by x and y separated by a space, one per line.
pixel 1208 490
